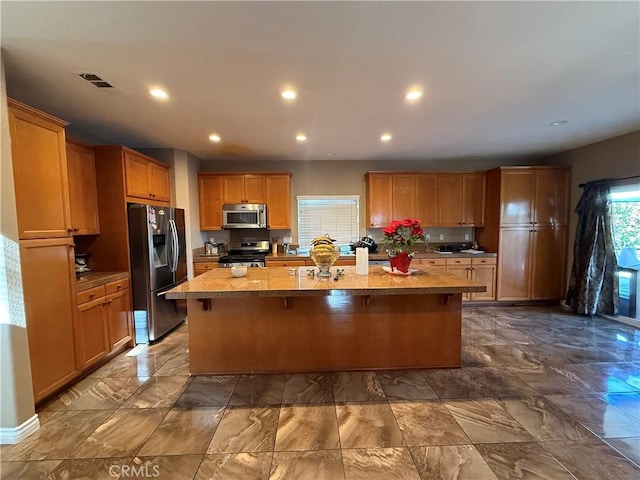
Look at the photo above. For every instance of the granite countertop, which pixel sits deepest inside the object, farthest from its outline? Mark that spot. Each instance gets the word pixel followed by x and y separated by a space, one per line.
pixel 95 279
pixel 277 282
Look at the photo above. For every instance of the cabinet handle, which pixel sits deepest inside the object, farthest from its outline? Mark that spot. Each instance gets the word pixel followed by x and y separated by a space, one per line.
pixel 118 287
pixel 91 295
pixel 76 229
pixel 69 230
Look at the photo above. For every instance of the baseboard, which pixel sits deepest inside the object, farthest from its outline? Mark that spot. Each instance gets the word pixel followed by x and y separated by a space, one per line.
pixel 11 436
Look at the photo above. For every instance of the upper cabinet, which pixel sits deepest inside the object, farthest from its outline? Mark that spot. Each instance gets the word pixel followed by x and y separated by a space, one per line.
pixel 278 195
pixel 249 188
pixel 436 199
pixel 272 189
pixel 534 196
pixel 461 199
pixel 39 172
pixel 146 178
pixel 83 194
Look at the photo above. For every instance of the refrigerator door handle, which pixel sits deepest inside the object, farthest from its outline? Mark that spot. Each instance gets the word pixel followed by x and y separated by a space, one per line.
pixel 174 245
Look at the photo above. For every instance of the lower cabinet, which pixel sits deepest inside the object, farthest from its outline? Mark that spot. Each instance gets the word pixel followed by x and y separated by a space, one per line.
pixel 285 263
pixel 119 313
pixel 481 270
pixel 201 267
pixel 92 336
pixel 48 285
pixel 103 321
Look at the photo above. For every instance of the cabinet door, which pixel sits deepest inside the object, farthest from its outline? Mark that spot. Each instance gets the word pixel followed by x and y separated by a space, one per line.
pixel 201 267
pixel 473 198
pixel 460 267
pixel 255 189
pixel 379 190
pixel 514 264
pixel 119 319
pixel 83 192
pixel 92 332
pixel 548 263
pixel 278 197
pixel 439 264
pixel 136 176
pixel 233 189
pixel 484 273
pixel 404 196
pixel 210 202
pixel 39 174
pixel 551 204
pixel 449 199
pixel 517 191
pixel 48 285
pixel 427 199
pixel 159 183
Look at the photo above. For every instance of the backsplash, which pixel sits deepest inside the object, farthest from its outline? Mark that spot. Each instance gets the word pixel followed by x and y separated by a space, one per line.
pixel 437 235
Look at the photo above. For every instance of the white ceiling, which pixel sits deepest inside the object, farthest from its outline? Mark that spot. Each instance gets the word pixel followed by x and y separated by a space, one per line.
pixel 494 75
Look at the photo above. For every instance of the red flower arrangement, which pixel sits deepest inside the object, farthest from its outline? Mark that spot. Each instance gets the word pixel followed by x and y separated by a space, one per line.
pixel 401 235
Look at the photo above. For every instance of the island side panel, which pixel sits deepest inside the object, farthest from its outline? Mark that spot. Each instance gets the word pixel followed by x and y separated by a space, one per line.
pixel 257 334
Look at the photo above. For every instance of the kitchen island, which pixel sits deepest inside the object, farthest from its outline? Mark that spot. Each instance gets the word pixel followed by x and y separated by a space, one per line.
pixel 277 320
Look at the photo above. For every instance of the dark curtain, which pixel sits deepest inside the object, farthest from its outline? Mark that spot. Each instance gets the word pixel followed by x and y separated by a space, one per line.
pixel 593 286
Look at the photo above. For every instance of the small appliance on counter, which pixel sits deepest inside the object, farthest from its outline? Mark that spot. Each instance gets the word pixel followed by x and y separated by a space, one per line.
pixel 365 242
pixel 82 263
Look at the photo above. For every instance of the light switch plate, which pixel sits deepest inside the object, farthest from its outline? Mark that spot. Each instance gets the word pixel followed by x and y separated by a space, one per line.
pixel 442 236
pixel 467 236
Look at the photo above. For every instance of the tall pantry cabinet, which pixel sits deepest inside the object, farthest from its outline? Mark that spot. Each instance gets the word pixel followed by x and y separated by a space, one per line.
pixel 527 222
pixel 46 244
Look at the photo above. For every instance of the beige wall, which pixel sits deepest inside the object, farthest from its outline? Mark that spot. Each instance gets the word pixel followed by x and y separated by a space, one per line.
pixel 16 393
pixel 613 158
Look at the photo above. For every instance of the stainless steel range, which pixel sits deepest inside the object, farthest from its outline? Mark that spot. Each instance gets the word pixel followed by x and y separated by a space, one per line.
pixel 245 254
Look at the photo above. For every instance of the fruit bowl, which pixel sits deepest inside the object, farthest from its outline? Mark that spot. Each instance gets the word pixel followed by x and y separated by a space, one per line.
pixel 324 255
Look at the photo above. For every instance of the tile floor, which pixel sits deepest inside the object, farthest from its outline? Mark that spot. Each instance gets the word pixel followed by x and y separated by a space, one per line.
pixel 542 395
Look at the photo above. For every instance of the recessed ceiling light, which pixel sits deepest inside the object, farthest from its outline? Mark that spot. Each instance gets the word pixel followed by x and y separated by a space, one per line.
pixel 289 94
pixel 214 137
pixel 385 137
pixel 413 95
pixel 158 93
pixel 557 123
pixel 301 137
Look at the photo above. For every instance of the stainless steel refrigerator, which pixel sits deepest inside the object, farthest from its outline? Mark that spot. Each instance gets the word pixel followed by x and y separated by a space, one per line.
pixel 158 263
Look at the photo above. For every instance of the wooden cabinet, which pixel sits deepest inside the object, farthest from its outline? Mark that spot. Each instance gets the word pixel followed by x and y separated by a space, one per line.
pixel 461 199
pixel 439 264
pixel 92 336
pixel 103 321
pixel 83 195
pixel 118 306
pixel 210 201
pixel 39 172
pixel 528 212
pixel 379 199
pixel 48 285
pixel 201 267
pixel 247 188
pixel 216 189
pixel 146 178
pixel 481 270
pixel 443 199
pixel 278 197
pixel 414 195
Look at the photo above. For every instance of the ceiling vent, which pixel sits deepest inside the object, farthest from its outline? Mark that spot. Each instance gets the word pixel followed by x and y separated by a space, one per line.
pixel 95 80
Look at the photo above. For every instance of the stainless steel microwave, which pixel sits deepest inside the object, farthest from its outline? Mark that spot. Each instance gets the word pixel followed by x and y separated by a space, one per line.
pixel 244 215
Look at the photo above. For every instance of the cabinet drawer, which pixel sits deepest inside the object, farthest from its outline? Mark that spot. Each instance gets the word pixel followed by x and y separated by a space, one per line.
pixel 433 262
pixel 458 261
pixel 115 287
pixel 90 294
pixel 485 261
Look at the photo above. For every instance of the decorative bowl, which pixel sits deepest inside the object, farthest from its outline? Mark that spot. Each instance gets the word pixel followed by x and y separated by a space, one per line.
pixel 238 271
pixel 324 256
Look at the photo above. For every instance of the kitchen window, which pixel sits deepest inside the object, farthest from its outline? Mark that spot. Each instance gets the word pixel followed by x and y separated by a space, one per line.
pixel 335 215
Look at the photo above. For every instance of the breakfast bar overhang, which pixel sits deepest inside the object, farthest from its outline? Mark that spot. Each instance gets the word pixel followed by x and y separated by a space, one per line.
pixel 273 320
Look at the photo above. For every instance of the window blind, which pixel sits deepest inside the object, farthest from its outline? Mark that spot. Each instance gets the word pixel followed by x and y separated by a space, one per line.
pixel 337 216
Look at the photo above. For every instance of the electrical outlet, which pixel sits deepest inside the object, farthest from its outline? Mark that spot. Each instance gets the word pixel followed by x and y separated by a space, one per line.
pixel 467 236
pixel 442 236
pixel 427 236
